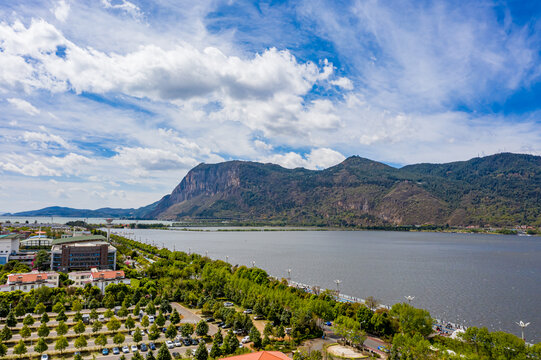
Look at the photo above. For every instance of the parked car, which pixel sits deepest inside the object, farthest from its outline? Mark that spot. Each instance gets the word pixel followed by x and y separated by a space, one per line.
pixel 144 347
pixel 328 323
pixel 151 319
pixel 248 311
pixel 44 357
pixel 101 318
pixel 187 342
pixel 210 319
pixel 221 324
pixel 152 346
pixel 228 304
pixel 134 348
pixel 116 351
pixel 105 351
pixel 175 355
pixel 245 340
pixel 195 342
pixel 125 349
pixel 169 344
pixel 226 326
pixel 259 317
pixel 178 343
pixel 238 332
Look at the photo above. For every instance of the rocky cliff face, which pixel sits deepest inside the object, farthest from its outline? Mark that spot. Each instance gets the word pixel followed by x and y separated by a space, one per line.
pixel 503 189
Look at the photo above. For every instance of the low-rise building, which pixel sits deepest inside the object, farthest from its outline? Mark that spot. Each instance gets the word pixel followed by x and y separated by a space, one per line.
pixel 98 278
pixel 260 355
pixel 9 245
pixel 82 253
pixel 29 281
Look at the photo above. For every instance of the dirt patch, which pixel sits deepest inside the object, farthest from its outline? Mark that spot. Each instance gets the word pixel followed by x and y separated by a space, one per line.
pixel 345 352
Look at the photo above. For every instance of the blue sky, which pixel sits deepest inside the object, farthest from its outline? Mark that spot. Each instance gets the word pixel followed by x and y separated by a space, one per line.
pixel 111 102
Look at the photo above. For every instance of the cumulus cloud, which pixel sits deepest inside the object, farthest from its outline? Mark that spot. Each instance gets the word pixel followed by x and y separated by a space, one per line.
pixel 125 6
pixel 61 11
pixel 320 158
pixel 35 165
pixel 43 140
pixel 152 159
pixel 24 105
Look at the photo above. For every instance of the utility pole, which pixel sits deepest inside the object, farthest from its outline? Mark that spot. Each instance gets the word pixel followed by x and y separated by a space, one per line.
pixel 522 326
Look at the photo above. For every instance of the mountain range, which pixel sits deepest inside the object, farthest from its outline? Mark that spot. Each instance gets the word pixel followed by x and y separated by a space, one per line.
pixel 498 190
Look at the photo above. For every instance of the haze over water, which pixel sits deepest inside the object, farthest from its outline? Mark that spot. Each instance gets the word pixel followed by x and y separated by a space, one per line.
pixel 470 279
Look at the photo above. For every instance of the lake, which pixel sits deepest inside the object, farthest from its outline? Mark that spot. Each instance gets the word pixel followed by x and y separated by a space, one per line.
pixel 468 279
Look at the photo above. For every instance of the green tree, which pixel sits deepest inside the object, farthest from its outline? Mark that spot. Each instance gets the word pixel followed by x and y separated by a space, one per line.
pixel 171 331
pixel 160 319
pixel 109 301
pixel 163 353
pixel 232 341
pixel 218 338
pixel 215 351
pixel 255 337
pixel 113 324
pixel 20 309
pixel 201 352
pixel 137 356
pixel 80 327
pixel 96 326
pixel 78 357
pixel 202 328
pixel 136 310
pixel 28 320
pixel 25 332
pixel 108 313
pixel 411 320
pixel 137 337
pixel 123 311
pixel 150 356
pixel 101 340
pixel 410 347
pixel 266 341
pixel 77 306
pixel 119 338
pixel 93 314
pixel 58 307
pixel 61 316
pixel 44 318
pixel 280 332
pixel 6 333
pixel 186 329
pixel 175 317
pixel 129 323
pixel 11 320
pixel 150 309
pixel 20 348
pixel 77 317
pixel 42 260
pixel 62 328
pixel 145 322
pixel 153 332
pixel 165 306
pixel 268 329
pixel 80 342
pixel 41 346
pixel 61 344
pixel 3 349
pixel 43 330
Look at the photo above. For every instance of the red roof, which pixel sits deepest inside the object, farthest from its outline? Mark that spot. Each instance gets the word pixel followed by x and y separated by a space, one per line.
pixel 261 355
pixel 26 278
pixel 106 274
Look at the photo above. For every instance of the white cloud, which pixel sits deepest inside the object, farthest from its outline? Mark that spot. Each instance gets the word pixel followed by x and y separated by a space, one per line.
pixel 124 5
pixel 34 165
pixel 61 11
pixel 320 158
pixel 44 140
pixel 24 105
pixel 145 159
pixel 343 82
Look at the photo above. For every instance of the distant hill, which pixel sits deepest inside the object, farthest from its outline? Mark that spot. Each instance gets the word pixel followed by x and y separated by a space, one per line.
pixel 70 212
pixel 500 190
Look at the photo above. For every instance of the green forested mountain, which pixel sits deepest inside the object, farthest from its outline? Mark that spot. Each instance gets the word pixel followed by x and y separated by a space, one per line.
pixel 500 190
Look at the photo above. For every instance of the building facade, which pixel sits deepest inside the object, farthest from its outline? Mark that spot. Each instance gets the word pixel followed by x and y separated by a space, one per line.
pixel 9 245
pixel 30 281
pixel 82 253
pixel 98 278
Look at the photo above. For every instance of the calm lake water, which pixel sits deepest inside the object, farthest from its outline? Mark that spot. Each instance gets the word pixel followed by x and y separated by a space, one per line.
pixel 475 280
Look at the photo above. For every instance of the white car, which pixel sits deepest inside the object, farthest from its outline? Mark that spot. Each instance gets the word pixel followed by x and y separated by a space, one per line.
pixel 245 340
pixel 178 343
pixel 134 348
pixel 169 344
pixel 228 304
pixel 151 319
pixel 125 349
pixel 248 311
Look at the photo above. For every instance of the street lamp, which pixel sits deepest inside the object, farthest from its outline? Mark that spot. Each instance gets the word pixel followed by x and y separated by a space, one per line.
pixel 522 326
pixel 409 298
pixel 289 274
pixel 253 263
pixel 227 258
pixel 338 286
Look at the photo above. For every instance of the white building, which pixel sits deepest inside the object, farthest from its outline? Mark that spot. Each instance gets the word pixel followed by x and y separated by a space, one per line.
pixel 98 278
pixel 29 281
pixel 9 245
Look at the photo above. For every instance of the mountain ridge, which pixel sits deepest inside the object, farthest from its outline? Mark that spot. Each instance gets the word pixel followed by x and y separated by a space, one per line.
pixel 500 190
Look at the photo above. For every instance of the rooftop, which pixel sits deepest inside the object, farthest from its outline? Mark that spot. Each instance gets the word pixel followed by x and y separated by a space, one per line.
pixel 76 239
pixel 106 274
pixel 261 355
pixel 28 277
